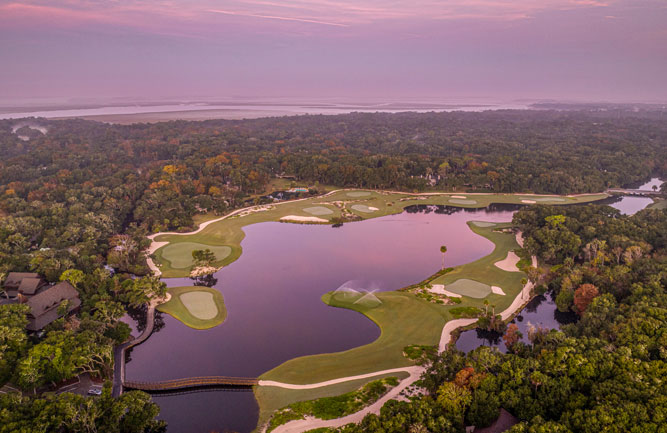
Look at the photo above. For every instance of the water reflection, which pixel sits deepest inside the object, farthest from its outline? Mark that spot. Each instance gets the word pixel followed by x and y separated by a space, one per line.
pixel 272 293
pixel 540 312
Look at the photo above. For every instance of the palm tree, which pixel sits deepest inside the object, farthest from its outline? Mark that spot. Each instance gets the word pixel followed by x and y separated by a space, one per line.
pixel 443 250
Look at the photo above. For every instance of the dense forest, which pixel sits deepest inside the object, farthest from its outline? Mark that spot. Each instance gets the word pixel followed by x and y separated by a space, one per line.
pixel 604 373
pixel 77 202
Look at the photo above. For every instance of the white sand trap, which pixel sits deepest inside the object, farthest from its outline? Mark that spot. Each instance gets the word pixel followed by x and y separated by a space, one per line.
pixel 497 290
pixel 528 201
pixel 483 224
pixel 459 196
pixel 440 289
pixel 461 201
pixel 509 263
pixel 363 208
pixel 200 304
pixel 318 210
pixel 358 193
pixel 368 300
pixel 303 219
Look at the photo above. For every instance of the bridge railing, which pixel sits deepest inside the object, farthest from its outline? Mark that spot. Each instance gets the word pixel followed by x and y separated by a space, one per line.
pixel 191 382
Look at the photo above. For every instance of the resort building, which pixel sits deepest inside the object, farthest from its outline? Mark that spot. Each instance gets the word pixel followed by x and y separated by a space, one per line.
pixel 44 307
pixel 26 283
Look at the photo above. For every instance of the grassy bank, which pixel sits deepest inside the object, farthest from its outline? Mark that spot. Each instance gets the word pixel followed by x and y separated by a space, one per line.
pixel 361 204
pixel 271 398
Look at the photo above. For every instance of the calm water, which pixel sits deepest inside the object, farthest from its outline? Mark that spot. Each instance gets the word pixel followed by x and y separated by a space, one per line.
pixel 541 311
pixel 630 205
pixel 273 295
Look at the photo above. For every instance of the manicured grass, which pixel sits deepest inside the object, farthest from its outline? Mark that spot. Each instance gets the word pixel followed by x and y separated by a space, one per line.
pixel 363 208
pixel 334 406
pixel 358 194
pixel 229 232
pixel 271 398
pixel 471 288
pixel 461 201
pixel 658 204
pixel 403 318
pixel 483 224
pixel 179 255
pixel 318 210
pixel 484 271
pixel 200 304
pixel 196 306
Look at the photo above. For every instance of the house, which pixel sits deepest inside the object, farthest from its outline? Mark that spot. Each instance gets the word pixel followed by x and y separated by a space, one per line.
pixel 31 286
pixel 44 305
pixel 14 279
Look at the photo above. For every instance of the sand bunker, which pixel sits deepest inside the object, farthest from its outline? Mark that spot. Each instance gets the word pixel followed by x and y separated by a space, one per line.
pixel 509 263
pixel 179 254
pixel 363 208
pixel 461 201
pixel 200 304
pixel 369 300
pixel 358 193
pixel 483 224
pixel 318 210
pixel 302 219
pixel 470 288
pixel 528 201
pixel 440 289
pixel 459 196
pixel 497 290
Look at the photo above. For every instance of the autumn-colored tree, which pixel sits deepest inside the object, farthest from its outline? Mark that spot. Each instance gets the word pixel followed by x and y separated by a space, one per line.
pixel 583 296
pixel 512 336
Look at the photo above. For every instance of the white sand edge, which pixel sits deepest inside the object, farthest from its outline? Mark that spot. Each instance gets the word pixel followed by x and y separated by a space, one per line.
pixel 497 290
pixel 459 196
pixel 528 201
pixel 303 219
pixel 509 263
pixel 440 289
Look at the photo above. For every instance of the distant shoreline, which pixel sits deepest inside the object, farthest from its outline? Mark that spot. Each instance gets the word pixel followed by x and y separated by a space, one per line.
pixel 232 111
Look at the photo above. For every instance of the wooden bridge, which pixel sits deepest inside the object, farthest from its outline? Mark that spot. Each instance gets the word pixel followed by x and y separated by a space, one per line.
pixel 643 192
pixel 193 382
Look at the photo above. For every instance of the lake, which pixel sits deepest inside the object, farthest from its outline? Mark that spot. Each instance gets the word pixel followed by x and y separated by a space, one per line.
pixel 273 292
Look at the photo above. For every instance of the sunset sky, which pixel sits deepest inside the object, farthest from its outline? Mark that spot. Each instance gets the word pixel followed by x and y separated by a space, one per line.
pixel 613 50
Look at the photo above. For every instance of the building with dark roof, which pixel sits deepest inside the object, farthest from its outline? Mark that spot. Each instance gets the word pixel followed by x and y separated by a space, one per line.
pixel 14 279
pixel 44 305
pixel 30 286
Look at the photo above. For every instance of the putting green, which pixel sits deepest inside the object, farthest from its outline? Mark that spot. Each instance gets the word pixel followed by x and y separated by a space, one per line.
pixel 358 194
pixel 196 306
pixel 470 288
pixel 543 198
pixel 179 254
pixel 318 210
pixel 363 208
pixel 483 224
pixel 200 304
pixel 461 201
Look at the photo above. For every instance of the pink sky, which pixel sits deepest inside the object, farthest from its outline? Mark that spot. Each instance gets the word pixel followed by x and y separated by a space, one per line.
pixel 563 49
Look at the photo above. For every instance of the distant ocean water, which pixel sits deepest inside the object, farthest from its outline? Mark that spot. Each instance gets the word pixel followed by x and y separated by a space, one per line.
pixel 257 109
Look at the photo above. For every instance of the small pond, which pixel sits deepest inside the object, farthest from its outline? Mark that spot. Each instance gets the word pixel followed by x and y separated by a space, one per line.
pixel 541 311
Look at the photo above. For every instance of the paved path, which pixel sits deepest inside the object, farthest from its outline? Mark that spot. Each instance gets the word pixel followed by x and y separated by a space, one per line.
pixel 119 351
